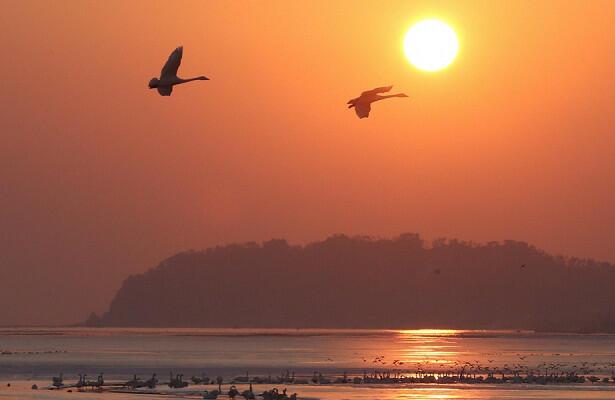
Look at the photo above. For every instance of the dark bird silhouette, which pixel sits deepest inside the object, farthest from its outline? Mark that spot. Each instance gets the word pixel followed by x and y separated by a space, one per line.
pixel 151 383
pixel 363 104
pixel 233 392
pixel 168 75
pixel 58 381
pixel 211 395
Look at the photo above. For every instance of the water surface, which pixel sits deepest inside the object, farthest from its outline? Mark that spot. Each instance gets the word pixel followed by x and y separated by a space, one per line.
pixel 35 355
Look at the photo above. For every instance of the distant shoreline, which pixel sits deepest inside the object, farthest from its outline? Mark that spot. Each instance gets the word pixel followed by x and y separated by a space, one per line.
pixel 283 331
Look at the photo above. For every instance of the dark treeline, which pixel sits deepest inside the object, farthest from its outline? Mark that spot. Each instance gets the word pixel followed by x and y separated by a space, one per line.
pixel 358 282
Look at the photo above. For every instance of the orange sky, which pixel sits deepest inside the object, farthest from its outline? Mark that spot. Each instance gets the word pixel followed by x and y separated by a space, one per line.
pixel 102 177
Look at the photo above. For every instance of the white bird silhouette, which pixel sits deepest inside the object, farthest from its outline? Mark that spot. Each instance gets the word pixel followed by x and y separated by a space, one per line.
pixel 363 104
pixel 168 75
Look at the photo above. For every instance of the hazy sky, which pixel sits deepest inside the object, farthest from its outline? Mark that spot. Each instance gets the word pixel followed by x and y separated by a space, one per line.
pixel 101 177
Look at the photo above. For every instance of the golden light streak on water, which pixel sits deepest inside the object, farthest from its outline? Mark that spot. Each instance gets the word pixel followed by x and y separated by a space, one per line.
pixel 429 332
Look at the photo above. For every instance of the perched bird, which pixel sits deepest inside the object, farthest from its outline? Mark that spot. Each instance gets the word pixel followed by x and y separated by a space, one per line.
pixel 207 395
pixel 233 392
pixel 363 104
pixel 248 394
pixel 168 75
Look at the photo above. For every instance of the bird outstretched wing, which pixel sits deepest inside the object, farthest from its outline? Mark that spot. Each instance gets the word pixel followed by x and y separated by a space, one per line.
pixel 165 90
pixel 362 109
pixel 382 89
pixel 172 65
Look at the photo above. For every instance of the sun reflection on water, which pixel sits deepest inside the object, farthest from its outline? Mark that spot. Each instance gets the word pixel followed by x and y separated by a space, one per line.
pixel 436 347
pixel 427 396
pixel 429 332
pixel 429 393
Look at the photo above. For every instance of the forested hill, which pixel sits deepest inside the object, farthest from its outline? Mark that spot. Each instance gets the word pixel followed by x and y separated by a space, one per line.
pixel 359 282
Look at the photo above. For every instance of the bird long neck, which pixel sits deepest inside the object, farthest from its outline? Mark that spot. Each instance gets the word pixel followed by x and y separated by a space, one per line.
pixel 390 95
pixel 198 78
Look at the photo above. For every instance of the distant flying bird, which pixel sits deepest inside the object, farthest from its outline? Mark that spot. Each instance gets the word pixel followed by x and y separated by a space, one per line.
pixel 363 104
pixel 168 75
pixel 522 266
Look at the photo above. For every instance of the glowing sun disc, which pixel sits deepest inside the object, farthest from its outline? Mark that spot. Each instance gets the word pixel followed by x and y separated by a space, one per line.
pixel 431 45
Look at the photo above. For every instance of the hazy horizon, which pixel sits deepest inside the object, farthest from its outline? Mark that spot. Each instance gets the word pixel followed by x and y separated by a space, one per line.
pixel 102 178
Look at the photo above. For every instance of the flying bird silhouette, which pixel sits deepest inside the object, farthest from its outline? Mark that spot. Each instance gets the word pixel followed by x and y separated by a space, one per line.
pixel 168 75
pixel 363 104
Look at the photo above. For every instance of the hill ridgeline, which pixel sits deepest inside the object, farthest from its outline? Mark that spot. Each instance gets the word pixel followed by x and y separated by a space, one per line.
pixel 359 282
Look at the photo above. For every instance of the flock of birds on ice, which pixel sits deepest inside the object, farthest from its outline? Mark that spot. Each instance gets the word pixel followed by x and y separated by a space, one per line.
pixel 382 371
pixel 168 79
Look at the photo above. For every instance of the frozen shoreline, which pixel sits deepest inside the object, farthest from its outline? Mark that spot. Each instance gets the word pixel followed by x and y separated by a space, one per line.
pixel 393 361
pixel 21 389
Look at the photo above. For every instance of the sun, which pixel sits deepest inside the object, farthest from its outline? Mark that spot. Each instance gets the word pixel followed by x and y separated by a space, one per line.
pixel 431 45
